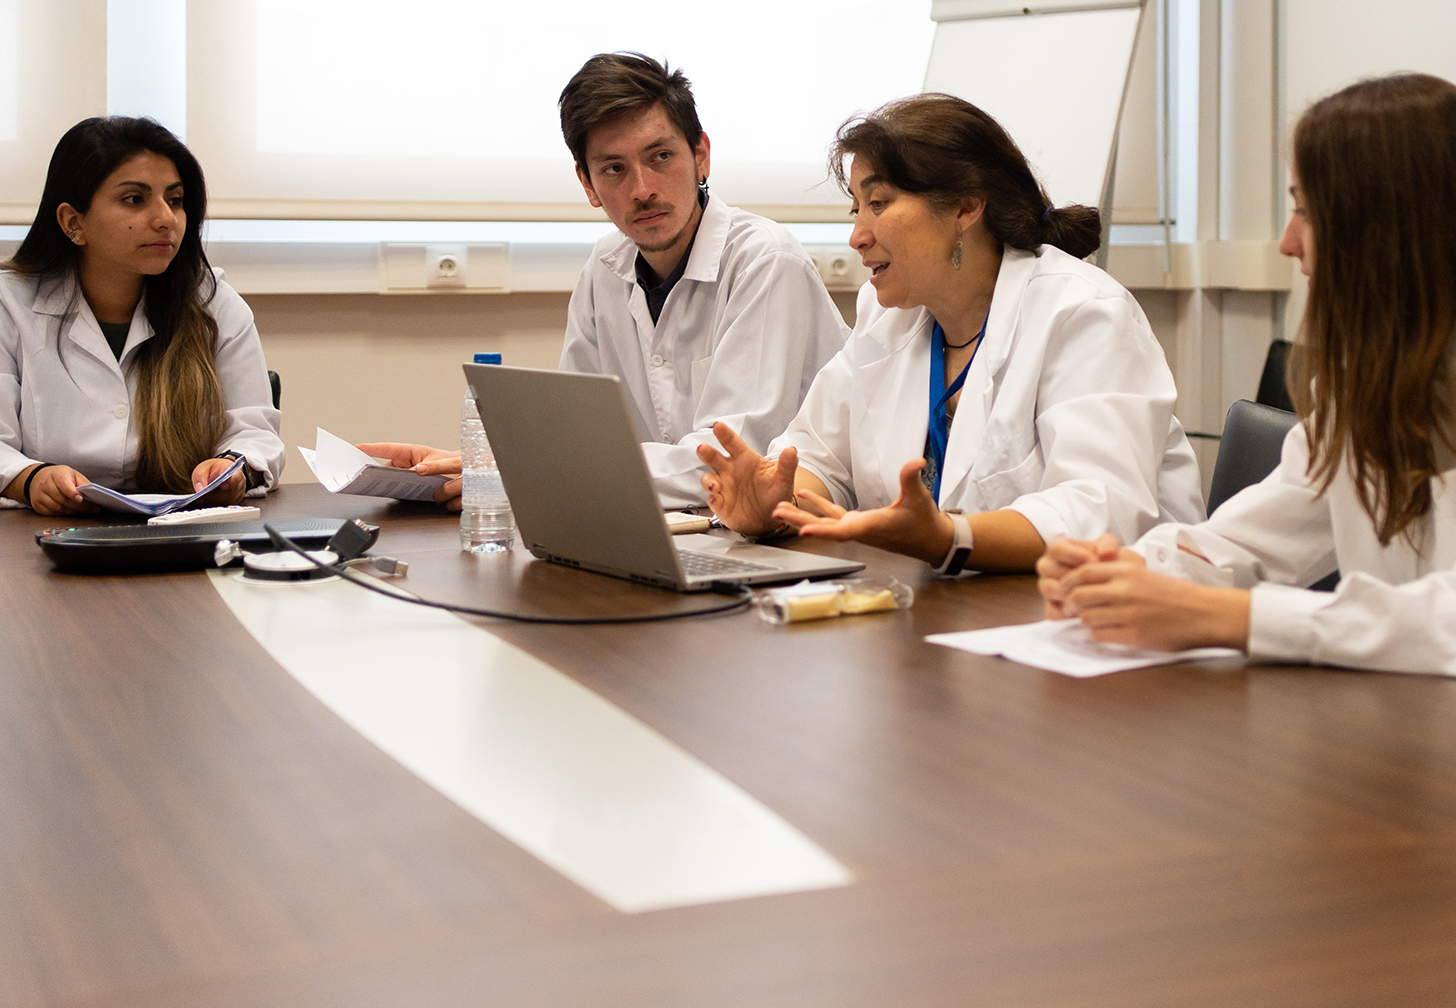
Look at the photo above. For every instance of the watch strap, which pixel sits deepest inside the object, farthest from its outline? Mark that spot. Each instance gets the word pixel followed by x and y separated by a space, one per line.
pixel 250 478
pixel 960 547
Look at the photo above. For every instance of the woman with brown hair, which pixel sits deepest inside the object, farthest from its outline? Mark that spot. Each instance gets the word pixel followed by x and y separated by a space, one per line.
pixel 124 359
pixel 1365 484
pixel 997 391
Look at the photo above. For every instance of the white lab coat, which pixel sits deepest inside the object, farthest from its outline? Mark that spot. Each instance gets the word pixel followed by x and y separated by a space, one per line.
pixel 739 340
pixel 65 398
pixel 1066 415
pixel 1395 608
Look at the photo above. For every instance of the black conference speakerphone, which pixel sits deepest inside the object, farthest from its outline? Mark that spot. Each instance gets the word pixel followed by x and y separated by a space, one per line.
pixel 115 549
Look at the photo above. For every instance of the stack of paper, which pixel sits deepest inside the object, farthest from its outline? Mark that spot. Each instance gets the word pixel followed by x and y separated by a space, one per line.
pixel 342 468
pixel 152 504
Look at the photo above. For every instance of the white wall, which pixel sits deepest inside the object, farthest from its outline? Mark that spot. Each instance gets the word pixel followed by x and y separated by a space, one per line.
pixel 1332 43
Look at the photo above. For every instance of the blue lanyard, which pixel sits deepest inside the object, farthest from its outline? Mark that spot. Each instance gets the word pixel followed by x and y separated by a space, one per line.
pixel 939 396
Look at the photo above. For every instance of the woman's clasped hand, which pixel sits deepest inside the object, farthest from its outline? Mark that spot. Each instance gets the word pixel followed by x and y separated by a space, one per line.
pixel 1122 602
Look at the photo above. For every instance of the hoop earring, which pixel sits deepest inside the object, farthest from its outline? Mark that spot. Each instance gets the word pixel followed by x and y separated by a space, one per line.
pixel 955 256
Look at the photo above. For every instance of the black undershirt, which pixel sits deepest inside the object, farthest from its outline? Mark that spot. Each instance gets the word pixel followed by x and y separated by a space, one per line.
pixel 115 333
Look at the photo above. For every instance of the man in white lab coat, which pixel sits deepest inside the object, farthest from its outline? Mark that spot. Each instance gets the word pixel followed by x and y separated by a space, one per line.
pixel 706 312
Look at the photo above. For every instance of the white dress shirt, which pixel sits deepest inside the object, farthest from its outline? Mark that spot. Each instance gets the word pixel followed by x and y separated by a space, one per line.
pixel 1066 415
pixel 66 399
pixel 740 338
pixel 1395 608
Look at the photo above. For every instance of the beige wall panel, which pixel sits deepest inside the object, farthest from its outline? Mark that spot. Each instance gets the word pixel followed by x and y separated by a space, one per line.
pixel 387 367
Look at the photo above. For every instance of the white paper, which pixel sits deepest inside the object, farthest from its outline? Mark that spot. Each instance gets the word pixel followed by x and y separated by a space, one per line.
pixel 342 468
pixel 1066 646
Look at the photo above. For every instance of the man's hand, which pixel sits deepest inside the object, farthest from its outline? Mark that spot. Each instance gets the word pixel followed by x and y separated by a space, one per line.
pixel 912 525
pixel 427 462
pixel 231 490
pixel 744 487
pixel 53 491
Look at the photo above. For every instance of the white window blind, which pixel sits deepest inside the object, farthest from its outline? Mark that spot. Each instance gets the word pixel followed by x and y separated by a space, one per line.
pixel 138 82
pixel 52 75
pixel 9 72
pixel 381 110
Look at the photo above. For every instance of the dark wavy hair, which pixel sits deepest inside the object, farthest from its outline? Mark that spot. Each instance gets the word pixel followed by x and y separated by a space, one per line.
pixel 611 85
pixel 945 149
pixel 1371 373
pixel 179 407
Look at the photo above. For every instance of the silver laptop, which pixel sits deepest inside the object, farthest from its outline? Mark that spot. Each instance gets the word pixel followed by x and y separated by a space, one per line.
pixel 578 483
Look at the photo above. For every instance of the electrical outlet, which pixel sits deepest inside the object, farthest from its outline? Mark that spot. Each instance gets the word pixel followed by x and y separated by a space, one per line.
pixel 839 267
pixel 445 266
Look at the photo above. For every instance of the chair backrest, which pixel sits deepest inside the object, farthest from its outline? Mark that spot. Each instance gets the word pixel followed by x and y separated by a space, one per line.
pixel 1273 389
pixel 1253 435
pixel 276 385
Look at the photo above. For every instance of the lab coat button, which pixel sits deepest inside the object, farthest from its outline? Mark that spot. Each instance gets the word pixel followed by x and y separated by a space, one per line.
pixel 120 412
pixel 658 360
pixel 1162 555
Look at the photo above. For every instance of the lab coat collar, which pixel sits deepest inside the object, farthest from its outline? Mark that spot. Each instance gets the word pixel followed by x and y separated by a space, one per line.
pixel 704 258
pixel 61 297
pixel 1017 266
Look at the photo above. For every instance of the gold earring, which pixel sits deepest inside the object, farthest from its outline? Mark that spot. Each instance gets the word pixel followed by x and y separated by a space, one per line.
pixel 75 237
pixel 955 256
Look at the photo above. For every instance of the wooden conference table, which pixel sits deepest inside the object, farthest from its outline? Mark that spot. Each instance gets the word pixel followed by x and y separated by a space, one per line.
pixel 182 824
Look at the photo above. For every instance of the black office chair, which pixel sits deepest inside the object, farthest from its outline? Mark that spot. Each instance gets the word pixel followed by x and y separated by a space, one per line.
pixel 277 386
pixel 1273 389
pixel 1253 436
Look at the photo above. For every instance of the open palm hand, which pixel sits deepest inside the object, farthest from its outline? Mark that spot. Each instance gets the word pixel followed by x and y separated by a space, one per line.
pixel 744 487
pixel 912 525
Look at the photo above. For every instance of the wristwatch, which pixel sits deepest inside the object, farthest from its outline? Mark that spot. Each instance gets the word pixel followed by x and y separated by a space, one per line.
pixel 960 548
pixel 247 470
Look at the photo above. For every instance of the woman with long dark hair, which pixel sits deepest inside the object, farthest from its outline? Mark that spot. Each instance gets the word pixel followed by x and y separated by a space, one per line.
pixel 124 359
pixel 1367 480
pixel 997 391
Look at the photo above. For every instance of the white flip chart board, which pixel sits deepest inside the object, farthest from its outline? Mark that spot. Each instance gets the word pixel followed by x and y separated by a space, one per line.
pixel 1055 80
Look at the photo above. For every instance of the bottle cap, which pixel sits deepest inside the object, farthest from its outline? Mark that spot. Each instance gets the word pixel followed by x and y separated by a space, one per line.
pixel 487 358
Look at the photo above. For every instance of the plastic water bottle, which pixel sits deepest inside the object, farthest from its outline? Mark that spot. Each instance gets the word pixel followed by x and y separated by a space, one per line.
pixel 486 522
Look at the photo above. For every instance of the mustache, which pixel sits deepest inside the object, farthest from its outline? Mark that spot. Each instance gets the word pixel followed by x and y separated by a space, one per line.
pixel 651 208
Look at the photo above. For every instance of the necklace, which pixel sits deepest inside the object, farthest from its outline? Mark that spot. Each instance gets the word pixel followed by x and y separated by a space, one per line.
pixel 961 346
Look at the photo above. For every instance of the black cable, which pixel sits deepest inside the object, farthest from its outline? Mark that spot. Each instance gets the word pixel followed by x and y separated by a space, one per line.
pixel 743 595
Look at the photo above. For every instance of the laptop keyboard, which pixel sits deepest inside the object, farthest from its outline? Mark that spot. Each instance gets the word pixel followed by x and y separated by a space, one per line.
pixel 709 564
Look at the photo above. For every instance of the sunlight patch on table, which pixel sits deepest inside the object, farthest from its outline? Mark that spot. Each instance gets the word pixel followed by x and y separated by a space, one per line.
pixel 578 783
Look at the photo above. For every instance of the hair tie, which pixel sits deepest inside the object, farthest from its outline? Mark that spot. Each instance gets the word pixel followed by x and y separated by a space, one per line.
pixel 1045 214
pixel 25 492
